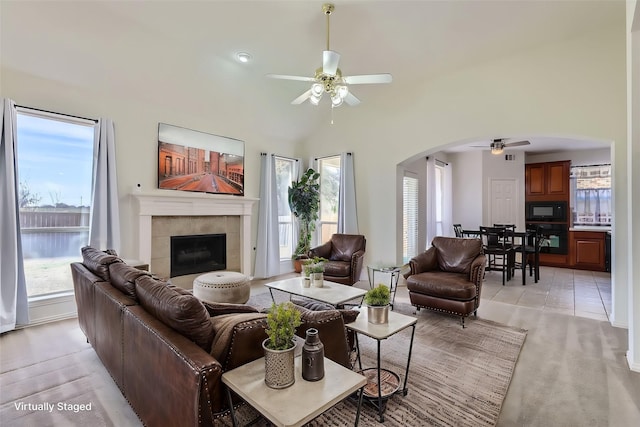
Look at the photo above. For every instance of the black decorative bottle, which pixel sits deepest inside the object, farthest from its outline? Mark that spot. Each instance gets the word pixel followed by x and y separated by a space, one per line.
pixel 312 357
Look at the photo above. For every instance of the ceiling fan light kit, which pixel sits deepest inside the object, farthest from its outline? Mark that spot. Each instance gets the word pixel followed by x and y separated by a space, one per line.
pixel 329 79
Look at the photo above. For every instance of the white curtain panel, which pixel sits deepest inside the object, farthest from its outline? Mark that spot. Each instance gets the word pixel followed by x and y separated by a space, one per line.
pixel 104 223
pixel 347 213
pixel 268 241
pixel 431 200
pixel 13 288
pixel 447 202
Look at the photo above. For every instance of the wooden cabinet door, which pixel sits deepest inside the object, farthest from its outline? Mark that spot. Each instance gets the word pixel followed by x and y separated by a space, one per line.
pixel 587 250
pixel 535 180
pixel 557 179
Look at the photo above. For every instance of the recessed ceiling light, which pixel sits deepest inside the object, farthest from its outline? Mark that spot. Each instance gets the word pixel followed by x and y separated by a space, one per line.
pixel 243 57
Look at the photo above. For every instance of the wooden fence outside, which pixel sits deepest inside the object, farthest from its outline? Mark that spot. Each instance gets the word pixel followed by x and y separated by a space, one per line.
pixel 53 232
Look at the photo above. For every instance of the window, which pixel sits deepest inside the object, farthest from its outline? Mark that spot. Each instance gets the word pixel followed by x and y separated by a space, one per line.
pixel 591 195
pixel 55 160
pixel 409 216
pixel 329 169
pixel 285 173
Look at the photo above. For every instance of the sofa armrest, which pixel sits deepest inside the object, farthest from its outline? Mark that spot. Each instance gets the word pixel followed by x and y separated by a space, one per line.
pixel 161 365
pixel 426 261
pixel 323 251
pixel 238 338
pixel 477 269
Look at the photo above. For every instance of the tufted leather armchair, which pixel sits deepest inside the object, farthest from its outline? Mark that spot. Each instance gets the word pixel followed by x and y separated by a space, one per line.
pixel 448 276
pixel 345 255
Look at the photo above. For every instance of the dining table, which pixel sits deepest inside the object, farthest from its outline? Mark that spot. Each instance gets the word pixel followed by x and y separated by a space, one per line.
pixel 524 238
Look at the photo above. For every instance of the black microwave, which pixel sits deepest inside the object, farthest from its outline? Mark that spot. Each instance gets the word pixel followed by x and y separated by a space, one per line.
pixel 546 211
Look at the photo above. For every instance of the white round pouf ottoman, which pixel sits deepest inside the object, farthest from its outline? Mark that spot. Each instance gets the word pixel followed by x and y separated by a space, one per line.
pixel 222 286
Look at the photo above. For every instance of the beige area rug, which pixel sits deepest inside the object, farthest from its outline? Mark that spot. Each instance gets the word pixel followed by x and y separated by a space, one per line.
pixel 457 377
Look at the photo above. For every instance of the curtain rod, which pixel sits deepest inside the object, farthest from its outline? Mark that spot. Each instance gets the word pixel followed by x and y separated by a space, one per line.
pixel 590 166
pixel 284 157
pixel 54 112
pixel 333 155
pixel 439 161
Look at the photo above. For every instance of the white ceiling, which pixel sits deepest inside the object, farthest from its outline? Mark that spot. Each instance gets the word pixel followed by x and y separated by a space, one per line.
pixel 186 50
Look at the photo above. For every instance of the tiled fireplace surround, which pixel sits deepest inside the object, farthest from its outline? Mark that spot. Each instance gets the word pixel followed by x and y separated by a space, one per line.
pixel 161 216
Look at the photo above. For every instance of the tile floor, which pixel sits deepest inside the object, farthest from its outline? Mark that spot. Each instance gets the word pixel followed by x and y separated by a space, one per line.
pixel 559 290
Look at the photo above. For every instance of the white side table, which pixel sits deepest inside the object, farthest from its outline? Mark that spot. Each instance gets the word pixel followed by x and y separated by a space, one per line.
pixel 373 392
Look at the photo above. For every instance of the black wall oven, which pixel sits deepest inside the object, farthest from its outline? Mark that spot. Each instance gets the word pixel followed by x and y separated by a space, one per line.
pixel 554 238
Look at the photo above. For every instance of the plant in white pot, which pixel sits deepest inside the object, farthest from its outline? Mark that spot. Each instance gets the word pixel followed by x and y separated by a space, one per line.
pixel 304 202
pixel 377 300
pixel 279 347
pixel 314 270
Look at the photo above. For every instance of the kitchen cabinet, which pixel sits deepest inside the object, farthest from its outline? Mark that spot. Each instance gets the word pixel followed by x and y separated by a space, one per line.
pixel 547 181
pixel 587 250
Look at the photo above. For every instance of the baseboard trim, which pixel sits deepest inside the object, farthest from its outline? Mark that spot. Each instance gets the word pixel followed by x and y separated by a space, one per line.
pixel 52 308
pixel 634 366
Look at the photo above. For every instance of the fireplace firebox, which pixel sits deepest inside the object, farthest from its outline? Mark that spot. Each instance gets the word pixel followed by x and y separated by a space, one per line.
pixel 198 254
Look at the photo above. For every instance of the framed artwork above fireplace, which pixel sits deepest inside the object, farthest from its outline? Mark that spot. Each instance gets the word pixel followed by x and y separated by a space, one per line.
pixel 189 160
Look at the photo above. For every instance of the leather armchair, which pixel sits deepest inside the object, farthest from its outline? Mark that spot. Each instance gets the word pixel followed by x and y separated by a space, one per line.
pixel 448 276
pixel 345 255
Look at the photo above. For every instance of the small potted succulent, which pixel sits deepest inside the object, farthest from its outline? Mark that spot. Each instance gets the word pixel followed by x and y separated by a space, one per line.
pixel 279 347
pixel 377 300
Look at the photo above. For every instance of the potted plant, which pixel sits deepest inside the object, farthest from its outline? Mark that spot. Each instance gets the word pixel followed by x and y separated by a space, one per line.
pixel 279 347
pixel 304 202
pixel 377 300
pixel 314 271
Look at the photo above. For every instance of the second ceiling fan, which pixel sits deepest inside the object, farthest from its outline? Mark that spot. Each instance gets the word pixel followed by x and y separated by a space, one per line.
pixel 498 145
pixel 329 79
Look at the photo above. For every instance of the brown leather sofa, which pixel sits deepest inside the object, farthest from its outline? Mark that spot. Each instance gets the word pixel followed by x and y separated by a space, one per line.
pixel 164 348
pixel 448 276
pixel 345 255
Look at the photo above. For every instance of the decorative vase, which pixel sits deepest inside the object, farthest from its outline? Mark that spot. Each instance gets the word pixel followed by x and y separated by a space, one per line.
pixel 279 366
pixel 313 357
pixel 317 280
pixel 378 313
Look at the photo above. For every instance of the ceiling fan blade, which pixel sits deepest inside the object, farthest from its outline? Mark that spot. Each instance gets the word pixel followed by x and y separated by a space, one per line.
pixel 302 98
pixel 351 99
pixel 368 79
pixel 330 60
pixel 516 144
pixel 480 146
pixel 285 77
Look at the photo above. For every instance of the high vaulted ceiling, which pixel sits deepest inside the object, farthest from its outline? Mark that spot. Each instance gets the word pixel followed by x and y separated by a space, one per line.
pixel 185 51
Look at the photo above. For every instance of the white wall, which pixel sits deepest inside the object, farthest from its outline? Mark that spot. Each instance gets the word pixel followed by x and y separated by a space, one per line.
pixel 468 198
pixel 578 158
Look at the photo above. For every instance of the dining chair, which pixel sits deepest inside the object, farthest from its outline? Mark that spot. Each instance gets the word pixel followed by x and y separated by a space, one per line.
pixel 497 245
pixel 532 250
pixel 457 229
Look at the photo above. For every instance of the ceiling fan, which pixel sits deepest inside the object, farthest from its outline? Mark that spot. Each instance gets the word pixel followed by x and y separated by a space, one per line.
pixel 498 145
pixel 329 79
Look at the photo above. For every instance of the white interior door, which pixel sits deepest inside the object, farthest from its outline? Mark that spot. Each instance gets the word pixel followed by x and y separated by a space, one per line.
pixel 503 201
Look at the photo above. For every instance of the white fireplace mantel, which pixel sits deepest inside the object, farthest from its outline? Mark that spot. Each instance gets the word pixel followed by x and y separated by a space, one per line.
pixel 194 204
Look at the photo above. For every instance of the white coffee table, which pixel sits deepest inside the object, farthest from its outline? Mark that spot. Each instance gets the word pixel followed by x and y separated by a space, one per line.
pixel 298 404
pixel 397 322
pixel 334 294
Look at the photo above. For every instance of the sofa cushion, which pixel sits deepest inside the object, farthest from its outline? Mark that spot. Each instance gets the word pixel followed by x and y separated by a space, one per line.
pixel 442 284
pixel 98 262
pixel 348 316
pixel 455 254
pixel 337 268
pixel 123 278
pixel 182 312
pixel 221 308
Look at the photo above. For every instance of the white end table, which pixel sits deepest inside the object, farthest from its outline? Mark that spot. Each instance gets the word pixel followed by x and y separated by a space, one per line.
pixel 299 403
pixel 397 322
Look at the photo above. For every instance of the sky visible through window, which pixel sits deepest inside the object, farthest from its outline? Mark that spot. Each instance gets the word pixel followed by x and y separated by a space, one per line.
pixel 55 160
